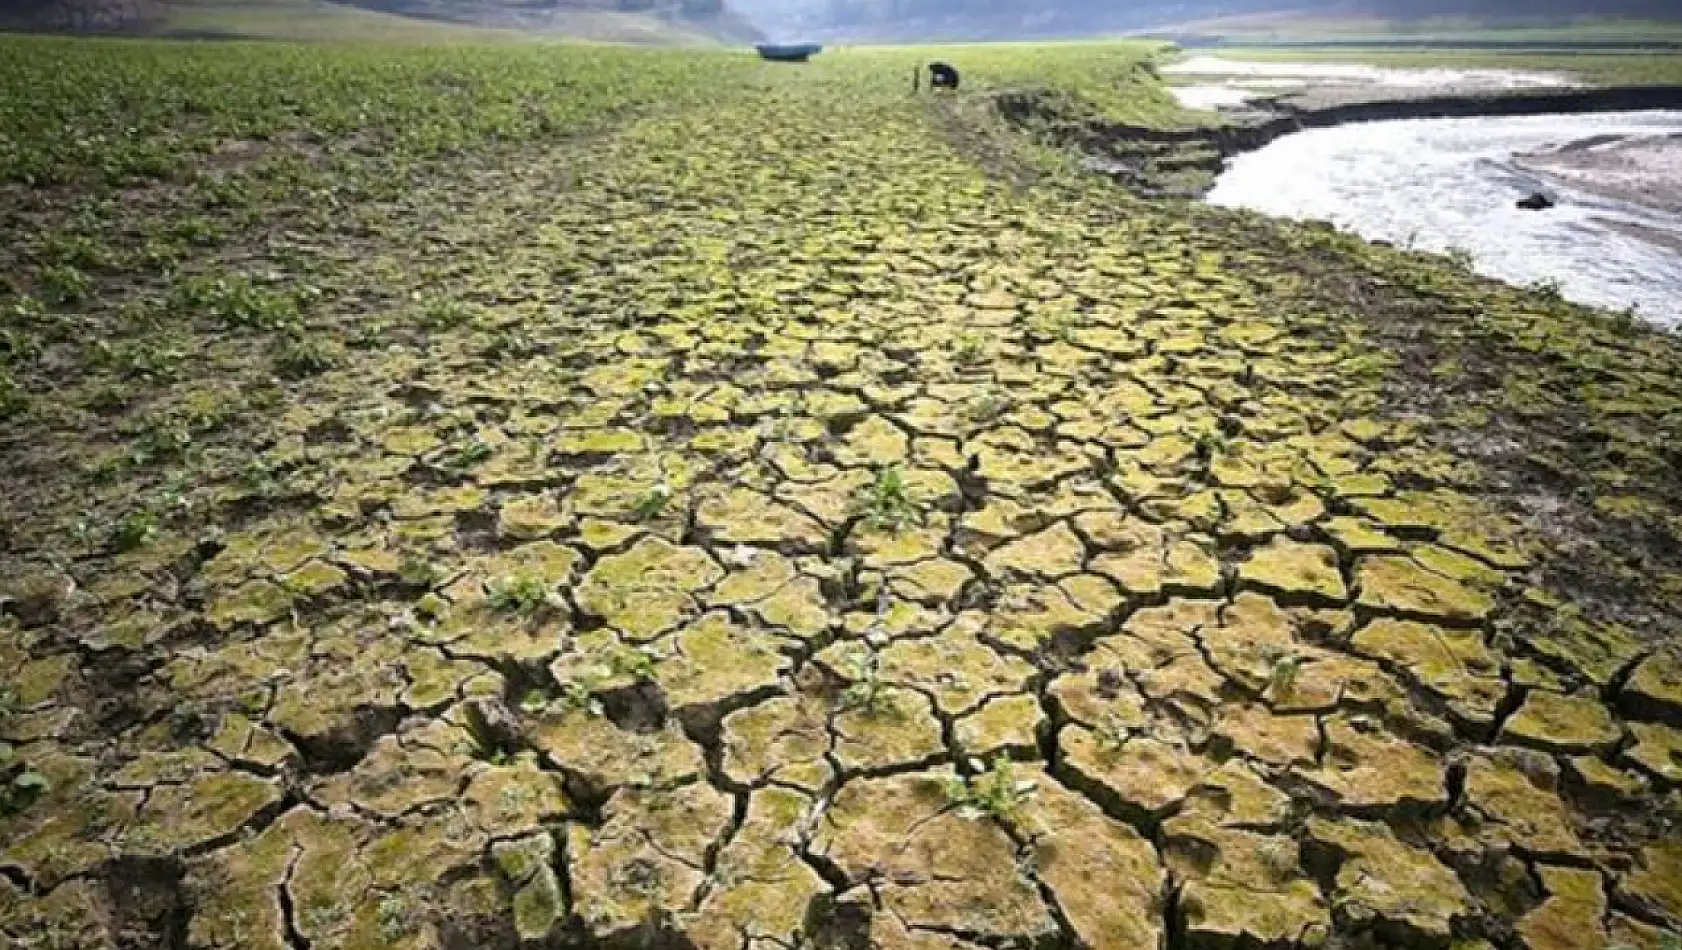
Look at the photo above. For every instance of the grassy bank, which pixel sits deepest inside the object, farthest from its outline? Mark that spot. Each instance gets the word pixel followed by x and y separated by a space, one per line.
pixel 571 496
pixel 1115 79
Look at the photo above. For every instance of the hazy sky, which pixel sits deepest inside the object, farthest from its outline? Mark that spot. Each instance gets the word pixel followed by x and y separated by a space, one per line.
pixel 994 18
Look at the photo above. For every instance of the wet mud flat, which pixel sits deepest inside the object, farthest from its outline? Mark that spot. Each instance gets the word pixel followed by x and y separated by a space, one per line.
pixel 1644 170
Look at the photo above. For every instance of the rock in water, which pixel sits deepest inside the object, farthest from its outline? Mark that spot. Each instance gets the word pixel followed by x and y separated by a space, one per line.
pixel 1536 202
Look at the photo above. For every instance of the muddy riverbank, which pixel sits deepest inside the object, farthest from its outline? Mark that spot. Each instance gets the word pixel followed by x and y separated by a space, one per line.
pixel 1641 170
pixel 1184 162
pixel 1452 186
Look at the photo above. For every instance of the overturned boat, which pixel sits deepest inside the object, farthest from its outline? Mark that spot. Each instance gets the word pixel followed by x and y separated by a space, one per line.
pixel 788 52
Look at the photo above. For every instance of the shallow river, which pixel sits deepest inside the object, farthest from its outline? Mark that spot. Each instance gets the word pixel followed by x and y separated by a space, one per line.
pixel 1443 183
pixel 1212 82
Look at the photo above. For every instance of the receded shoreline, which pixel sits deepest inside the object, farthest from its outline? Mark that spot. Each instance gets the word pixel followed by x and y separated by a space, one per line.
pixel 1123 148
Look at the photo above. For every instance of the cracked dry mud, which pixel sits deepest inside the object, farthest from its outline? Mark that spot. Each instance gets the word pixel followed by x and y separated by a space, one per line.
pixel 594 640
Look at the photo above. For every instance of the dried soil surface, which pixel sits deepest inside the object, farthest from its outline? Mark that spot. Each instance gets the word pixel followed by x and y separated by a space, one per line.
pixel 816 518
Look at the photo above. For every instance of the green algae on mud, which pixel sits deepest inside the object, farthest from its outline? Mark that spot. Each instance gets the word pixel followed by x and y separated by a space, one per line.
pixel 1190 523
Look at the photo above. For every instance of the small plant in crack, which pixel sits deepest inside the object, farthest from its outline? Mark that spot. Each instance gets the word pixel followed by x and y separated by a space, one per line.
pixel 510 343
pixel 638 664
pixel 779 427
pixel 887 503
pixel 1278 855
pixel 1057 326
pixel 1210 443
pixel 968 348
pixel 20 785
pixel 865 690
pixel 322 917
pixel 133 530
pixel 519 594
pixel 417 570
pixel 1283 667
pixel 466 455
pixel 515 799
pixel 990 793
pixel 302 355
pixel 986 408
pixel 64 284
pixel 576 696
pixel 395 917
pixel 652 503
pixel 443 313
pixel 534 702
pixel 1111 731
pixel 1626 320
pixel 1547 288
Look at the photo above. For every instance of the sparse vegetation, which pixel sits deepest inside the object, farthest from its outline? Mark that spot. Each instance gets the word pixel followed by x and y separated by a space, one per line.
pixel 20 786
pixel 12 400
pixel 1460 259
pixel 133 530
pixel 518 593
pixel 986 408
pixel 969 348
pixel 1625 322
pixel 992 792
pixel 302 355
pixel 887 504
pixel 62 284
pixel 1548 289
pixel 579 696
pixel 1059 326
pixel 442 313
pixel 396 918
pixel 1668 940
pixel 1211 442
pixel 865 689
pixel 637 664
pixel 466 455
pixel 627 386
pixel 1112 733
pixel 652 503
pixel 1283 667
pixel 234 302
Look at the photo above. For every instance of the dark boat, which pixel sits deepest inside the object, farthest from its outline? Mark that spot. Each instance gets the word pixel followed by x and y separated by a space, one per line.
pixel 788 52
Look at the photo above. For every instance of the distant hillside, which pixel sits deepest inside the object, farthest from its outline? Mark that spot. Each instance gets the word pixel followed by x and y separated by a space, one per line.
pixel 628 21
pixel 700 17
pixel 910 20
pixel 80 16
